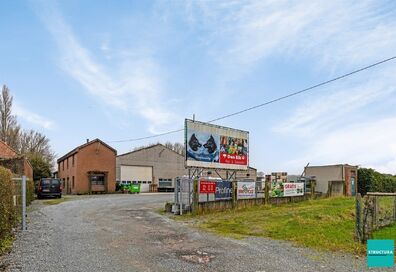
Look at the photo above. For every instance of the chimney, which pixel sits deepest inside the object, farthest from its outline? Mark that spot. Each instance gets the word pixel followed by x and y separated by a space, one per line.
pixel 87 140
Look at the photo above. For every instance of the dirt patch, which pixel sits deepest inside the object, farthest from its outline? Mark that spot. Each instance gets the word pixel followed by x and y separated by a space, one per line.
pixel 199 257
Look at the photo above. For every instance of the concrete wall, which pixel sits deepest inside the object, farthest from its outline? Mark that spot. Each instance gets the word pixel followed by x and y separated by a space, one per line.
pixel 323 175
pixel 327 173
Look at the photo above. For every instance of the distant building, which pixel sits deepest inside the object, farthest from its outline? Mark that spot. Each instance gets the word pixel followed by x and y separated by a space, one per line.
pixel 156 167
pixel 18 164
pixel 341 179
pixel 88 168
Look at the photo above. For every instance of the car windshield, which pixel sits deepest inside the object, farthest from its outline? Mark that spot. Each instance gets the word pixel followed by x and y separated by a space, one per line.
pixel 55 182
pixel 45 182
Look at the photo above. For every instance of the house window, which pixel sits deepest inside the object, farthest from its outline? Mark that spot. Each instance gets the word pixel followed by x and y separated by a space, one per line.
pixel 73 182
pixel 73 160
pixel 59 166
pixel 63 165
pixel 67 163
pixel 97 179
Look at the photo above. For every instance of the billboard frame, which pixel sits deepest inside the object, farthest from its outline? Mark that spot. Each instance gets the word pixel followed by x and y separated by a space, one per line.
pixel 218 127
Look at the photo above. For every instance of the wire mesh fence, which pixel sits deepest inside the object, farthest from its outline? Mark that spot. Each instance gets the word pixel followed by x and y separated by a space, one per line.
pixel 374 211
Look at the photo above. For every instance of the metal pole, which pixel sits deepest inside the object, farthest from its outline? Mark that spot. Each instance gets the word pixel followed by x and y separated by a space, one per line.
pixel 23 202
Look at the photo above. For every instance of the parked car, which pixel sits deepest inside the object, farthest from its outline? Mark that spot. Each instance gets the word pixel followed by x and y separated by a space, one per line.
pixel 49 187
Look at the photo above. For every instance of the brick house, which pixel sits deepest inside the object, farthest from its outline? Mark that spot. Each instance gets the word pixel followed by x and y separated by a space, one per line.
pixel 88 168
pixel 10 159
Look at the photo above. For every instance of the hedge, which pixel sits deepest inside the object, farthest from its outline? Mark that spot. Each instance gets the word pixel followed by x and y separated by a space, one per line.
pixel 8 212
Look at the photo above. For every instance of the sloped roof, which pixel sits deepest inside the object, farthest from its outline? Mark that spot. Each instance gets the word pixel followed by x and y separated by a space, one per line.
pixel 149 147
pixel 7 151
pixel 75 150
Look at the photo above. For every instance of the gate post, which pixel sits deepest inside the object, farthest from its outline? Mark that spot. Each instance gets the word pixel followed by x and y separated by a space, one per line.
pixel 266 190
pixel 234 194
pixel 358 229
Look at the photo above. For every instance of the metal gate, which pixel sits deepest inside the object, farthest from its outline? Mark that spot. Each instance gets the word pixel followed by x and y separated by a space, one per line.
pixel 183 195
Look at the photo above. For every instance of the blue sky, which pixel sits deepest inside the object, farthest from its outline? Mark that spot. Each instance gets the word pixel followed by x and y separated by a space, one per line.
pixel 126 69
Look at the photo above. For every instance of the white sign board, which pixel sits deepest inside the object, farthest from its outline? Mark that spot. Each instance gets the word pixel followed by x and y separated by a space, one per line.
pixel 293 189
pixel 246 189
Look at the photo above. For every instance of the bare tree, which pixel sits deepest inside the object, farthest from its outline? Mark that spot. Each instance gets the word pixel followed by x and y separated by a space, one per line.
pixel 9 128
pixel 33 143
pixel 177 147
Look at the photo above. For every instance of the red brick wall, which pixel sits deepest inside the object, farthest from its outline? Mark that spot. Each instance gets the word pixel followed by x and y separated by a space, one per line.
pixel 93 157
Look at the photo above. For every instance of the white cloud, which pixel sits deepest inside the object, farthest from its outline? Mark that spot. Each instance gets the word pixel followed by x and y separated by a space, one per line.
pixel 134 87
pixel 369 144
pixel 32 117
pixel 334 37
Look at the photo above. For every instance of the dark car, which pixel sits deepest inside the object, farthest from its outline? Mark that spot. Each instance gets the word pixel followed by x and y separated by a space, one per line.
pixel 49 187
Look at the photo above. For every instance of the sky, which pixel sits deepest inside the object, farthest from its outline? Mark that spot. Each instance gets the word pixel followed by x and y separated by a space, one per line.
pixel 119 70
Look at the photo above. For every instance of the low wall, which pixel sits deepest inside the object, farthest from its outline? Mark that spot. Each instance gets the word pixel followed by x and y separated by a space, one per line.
pixel 222 205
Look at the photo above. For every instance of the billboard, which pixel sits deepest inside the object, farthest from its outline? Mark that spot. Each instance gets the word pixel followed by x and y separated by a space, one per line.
pixel 211 146
pixel 223 190
pixel 207 187
pixel 246 189
pixel 293 189
pixel 281 189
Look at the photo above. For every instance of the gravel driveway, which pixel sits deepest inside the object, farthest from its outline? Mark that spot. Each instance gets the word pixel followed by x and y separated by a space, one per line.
pixel 124 233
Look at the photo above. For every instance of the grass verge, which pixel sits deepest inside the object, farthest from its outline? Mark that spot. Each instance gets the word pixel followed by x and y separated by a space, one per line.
pixel 6 244
pixel 324 224
pixel 55 201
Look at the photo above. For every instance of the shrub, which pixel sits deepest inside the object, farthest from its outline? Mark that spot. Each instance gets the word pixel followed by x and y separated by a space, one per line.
pixel 8 216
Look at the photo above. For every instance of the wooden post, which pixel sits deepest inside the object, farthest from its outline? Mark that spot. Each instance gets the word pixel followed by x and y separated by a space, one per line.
pixel 313 185
pixel 394 209
pixel 195 204
pixel 266 192
pixel 358 229
pixel 234 194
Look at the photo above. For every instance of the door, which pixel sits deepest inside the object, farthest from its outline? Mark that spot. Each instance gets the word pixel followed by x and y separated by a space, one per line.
pixel 353 186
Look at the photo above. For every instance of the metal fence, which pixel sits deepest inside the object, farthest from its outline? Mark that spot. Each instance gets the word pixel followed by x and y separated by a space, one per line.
pixel 20 198
pixel 212 193
pixel 183 195
pixel 374 211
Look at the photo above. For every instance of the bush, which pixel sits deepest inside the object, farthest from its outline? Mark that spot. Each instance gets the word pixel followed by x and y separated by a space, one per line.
pixel 370 180
pixel 8 217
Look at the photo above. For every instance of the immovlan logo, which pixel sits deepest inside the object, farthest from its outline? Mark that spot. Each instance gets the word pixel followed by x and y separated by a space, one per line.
pixel 380 253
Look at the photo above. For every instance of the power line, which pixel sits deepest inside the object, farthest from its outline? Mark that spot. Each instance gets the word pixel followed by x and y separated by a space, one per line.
pixel 268 102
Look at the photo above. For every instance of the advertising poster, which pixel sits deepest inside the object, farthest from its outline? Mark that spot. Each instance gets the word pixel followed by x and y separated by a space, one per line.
pixel 207 187
pixel 203 146
pixel 293 189
pixel 246 189
pixel 233 150
pixel 211 146
pixel 223 190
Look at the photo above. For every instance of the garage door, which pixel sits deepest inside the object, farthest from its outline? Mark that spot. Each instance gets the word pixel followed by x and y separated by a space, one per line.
pixel 137 174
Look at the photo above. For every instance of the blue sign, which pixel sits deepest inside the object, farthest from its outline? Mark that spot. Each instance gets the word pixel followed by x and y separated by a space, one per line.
pixel 223 190
pixel 380 253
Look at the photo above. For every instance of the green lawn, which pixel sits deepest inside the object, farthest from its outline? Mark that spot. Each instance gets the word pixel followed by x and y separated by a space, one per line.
pixel 327 224
pixel 55 201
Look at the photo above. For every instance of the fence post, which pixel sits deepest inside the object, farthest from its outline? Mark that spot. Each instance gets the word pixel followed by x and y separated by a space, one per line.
pixel 266 191
pixel 234 194
pixel 23 202
pixel 358 218
pixel 368 213
pixel 195 203
pixel 394 209
pixel 313 185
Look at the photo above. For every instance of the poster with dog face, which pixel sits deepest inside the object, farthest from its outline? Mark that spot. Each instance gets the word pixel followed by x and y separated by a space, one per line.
pixel 211 146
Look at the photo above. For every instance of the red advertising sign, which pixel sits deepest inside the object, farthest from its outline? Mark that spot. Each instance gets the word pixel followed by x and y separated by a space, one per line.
pixel 207 187
pixel 233 150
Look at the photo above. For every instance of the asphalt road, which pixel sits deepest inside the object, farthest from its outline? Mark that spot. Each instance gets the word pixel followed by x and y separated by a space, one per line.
pixel 125 233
